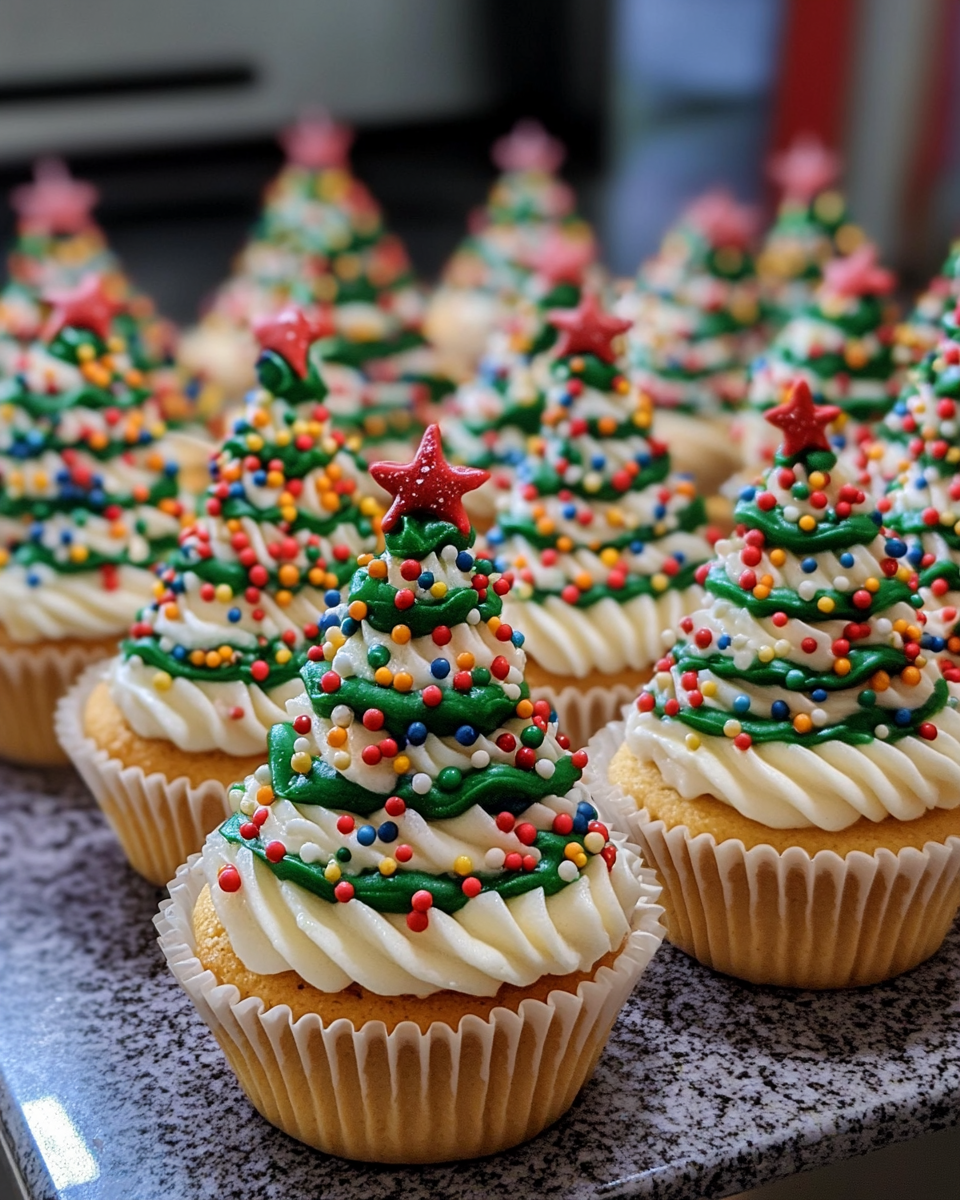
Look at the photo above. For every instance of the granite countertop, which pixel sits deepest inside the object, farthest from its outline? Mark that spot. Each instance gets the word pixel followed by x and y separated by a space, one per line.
pixel 707 1087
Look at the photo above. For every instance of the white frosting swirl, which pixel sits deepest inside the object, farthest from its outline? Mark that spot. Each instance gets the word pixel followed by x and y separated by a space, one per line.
pixel 76 605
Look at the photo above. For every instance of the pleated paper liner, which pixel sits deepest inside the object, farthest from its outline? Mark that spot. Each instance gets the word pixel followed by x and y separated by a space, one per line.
pixel 792 919
pixel 408 1096
pixel 585 705
pixel 33 678
pixel 158 821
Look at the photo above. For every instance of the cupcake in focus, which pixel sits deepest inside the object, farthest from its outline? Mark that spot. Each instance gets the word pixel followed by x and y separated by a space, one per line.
pixel 599 537
pixel 88 503
pixel 792 771
pixel 209 664
pixel 415 898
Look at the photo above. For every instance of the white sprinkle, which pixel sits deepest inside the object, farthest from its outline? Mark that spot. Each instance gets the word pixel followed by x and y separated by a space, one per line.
pixel 248 807
pixel 473 616
pixel 422 783
pixel 511 691
pixel 594 842
pixel 341 760
pixel 807 589
pixel 480 759
pixel 841 583
pixel 301 744
pixel 791 513
pixel 449 553
pixel 732 728
pixel 262 774
pixel 882 625
pixel 343 664
pixel 545 768
pixel 166 644
pixel 882 731
pixel 818 717
pixel 310 852
pixel 568 871
pixel 668 638
pixel 494 858
pixel 342 716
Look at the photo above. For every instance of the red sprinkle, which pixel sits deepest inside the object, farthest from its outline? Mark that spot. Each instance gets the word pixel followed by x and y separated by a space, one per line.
pixel 395 807
pixel 302 724
pixel 421 900
pixel 229 878
pixel 471 887
pixel 527 833
pixel 432 695
pixel 275 851
pixel 344 891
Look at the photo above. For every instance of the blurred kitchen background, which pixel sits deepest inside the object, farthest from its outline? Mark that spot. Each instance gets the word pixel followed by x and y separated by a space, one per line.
pixel 171 109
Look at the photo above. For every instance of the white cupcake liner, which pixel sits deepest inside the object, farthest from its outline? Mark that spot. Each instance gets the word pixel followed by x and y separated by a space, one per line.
pixel 792 919
pixel 33 678
pixel 408 1096
pixel 159 822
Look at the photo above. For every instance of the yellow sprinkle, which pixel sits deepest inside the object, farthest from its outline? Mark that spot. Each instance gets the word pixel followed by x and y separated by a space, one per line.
pixel 765 654
pixel 332 872
pixel 708 688
pixel 609 556
pixel 223 592
pixel 283 655
pixel 692 741
pixel 79 554
pixel 493 624
pixel 301 762
pixel 807 523
pixel 572 850
pixel 871 584
pixel 387 866
pixel 462 865
pixel 401 764
pixel 825 604
pixel 162 681
pixel 438 590
pixel 659 582
pixel 817 479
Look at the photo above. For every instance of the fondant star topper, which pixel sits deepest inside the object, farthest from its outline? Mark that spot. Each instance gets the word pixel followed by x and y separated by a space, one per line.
pixel 87 306
pixel 429 485
pixel 803 423
pixel 587 329
pixel 291 333
pixel 806 168
pixel 722 219
pixel 55 202
pixel 563 259
pixel 528 147
pixel 858 275
pixel 317 142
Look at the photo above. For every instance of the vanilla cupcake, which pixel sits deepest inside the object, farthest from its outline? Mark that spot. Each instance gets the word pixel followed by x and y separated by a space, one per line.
pixel 793 769
pixel 600 538
pixel 88 502
pixel 208 666
pixel 413 937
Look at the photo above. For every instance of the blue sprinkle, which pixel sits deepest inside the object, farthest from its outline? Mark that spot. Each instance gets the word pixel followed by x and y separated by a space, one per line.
pixel 747 493
pixel 348 626
pixel 779 710
pixel 808 565
pixel 660 511
pixel 466 735
pixel 416 733
pixel 66 537
pixel 387 832
pixel 234 615
pixel 180 653
pixel 425 580
pixel 170 469
pixel 930 642
pixel 328 620
pixel 517 638
pixel 440 668
pixel 680 556
pixel 903 716
pixel 177 586
pixel 818 695
pixel 33 580
pixel 846 559
pixel 639 547
pixel 586 809
pixel 259 478
pixel 915 556
pixel 598 462
pixel 494 536
pixel 723 641
pixel 876 518
pixel 366 835
pixel 580 823
pixel 331 597
pixel 569 511
pixel 741 704
pixel 236 490
pixel 464 561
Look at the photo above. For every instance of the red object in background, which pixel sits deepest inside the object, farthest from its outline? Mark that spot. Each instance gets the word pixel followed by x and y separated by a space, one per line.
pixel 815 70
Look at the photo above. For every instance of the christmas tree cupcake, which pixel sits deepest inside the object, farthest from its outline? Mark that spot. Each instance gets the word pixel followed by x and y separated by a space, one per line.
pixel 322 245
pixel 922 330
pixel 489 419
pixel 812 226
pixel 415 893
pixel 841 345
pixel 599 537
pixel 695 311
pixel 210 663
pixel 88 502
pixel 793 769
pixel 527 207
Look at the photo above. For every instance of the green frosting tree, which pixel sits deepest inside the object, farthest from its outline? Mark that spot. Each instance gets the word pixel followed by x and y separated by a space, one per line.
pixel 419 712
pixel 837 656
pixel 86 485
pixel 283 524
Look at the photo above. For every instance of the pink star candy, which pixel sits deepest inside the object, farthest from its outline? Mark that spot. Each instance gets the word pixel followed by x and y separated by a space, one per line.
pixel 55 202
pixel 858 275
pixel 528 147
pixel 560 259
pixel 805 168
pixel 317 142
pixel 722 220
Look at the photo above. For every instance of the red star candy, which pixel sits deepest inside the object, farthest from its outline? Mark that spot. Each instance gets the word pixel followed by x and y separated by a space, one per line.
pixel 722 220
pixel 528 147
pixel 87 306
pixel 802 422
pixel 55 202
pixel 317 142
pixel 858 275
pixel 587 329
pixel 428 485
pixel 805 168
pixel 290 334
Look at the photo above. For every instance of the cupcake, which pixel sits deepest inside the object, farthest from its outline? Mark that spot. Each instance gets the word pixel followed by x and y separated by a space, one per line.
pixel 88 502
pixel 812 226
pixel 793 769
pixel 490 418
pixel 413 937
pixel 600 538
pixel 209 664
pixel 528 207
pixel 842 346
pixel 321 244
pixel 923 328
pixel 695 313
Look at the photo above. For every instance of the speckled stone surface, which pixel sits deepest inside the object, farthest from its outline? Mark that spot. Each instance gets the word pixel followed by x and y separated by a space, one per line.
pixel 707 1087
